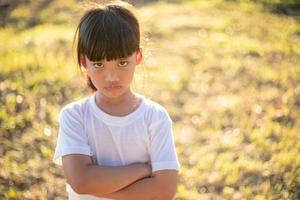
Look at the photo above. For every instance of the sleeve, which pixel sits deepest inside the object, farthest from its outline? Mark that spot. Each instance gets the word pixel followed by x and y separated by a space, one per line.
pixel 162 147
pixel 71 136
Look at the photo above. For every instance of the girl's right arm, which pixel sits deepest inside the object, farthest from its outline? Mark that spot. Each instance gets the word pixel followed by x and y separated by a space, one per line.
pixel 87 178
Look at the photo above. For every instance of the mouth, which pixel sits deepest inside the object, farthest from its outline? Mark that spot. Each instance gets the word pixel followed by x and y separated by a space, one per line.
pixel 113 87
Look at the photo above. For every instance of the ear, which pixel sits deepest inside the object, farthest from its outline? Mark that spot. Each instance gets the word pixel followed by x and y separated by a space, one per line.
pixel 139 56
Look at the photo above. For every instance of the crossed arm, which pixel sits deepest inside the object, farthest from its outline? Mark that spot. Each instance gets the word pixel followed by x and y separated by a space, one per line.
pixel 132 182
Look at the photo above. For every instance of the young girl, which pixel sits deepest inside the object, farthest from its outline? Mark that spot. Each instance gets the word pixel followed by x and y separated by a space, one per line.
pixel 115 144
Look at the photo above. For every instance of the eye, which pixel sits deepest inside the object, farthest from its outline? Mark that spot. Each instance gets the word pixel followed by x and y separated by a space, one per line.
pixel 97 65
pixel 123 63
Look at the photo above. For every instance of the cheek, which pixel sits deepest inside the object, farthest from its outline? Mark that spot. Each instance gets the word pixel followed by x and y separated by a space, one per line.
pixel 96 79
pixel 131 72
pixel 128 76
pixel 90 74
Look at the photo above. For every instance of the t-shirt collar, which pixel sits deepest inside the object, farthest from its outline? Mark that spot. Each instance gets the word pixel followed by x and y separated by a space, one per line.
pixel 117 120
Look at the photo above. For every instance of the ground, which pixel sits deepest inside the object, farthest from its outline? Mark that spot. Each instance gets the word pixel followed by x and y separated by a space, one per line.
pixel 227 72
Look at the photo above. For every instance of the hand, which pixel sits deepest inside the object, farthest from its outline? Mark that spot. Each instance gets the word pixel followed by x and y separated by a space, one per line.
pixel 144 168
pixel 149 163
pixel 150 167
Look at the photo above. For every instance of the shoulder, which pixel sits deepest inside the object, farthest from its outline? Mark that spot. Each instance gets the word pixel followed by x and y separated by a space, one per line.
pixel 156 111
pixel 74 109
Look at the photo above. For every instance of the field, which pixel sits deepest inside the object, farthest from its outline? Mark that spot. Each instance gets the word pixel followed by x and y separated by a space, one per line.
pixel 228 72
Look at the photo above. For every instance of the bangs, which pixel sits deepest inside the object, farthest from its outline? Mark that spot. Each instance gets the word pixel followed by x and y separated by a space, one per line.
pixel 107 34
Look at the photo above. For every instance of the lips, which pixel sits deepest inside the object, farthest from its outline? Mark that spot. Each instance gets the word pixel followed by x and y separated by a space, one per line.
pixel 112 87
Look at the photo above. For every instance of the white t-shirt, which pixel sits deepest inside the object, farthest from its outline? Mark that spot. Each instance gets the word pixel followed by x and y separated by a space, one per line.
pixel 142 135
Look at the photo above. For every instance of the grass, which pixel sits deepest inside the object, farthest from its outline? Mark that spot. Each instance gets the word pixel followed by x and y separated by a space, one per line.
pixel 227 71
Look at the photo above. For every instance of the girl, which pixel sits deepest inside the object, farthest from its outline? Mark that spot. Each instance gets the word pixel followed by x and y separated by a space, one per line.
pixel 115 144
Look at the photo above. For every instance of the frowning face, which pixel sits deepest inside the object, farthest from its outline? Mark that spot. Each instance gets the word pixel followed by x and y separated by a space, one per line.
pixel 113 78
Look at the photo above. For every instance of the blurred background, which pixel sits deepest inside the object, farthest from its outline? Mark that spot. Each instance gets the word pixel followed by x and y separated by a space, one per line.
pixel 227 71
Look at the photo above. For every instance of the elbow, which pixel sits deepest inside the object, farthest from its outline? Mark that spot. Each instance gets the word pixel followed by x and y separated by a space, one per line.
pixel 76 169
pixel 168 195
pixel 82 185
pixel 166 192
pixel 78 189
pixel 79 186
pixel 165 196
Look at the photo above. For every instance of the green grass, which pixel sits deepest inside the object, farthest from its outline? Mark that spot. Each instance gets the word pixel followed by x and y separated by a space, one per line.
pixel 227 71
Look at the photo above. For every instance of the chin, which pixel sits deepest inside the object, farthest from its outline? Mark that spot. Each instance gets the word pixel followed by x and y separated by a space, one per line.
pixel 112 94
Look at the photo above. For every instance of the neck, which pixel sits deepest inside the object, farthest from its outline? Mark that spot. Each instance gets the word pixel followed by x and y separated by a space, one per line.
pixel 121 106
pixel 114 101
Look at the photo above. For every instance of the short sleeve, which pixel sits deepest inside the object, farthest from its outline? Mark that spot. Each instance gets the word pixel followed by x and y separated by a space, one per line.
pixel 72 138
pixel 162 147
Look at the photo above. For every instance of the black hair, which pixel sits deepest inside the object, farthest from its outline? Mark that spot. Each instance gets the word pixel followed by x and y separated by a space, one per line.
pixel 110 31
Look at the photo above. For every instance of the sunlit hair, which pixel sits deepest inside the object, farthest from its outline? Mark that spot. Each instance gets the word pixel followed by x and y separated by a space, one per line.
pixel 110 31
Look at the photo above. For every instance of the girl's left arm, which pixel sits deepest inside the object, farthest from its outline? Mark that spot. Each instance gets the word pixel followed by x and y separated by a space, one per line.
pixel 161 185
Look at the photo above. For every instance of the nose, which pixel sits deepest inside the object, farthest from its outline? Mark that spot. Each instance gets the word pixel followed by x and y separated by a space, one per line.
pixel 111 75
